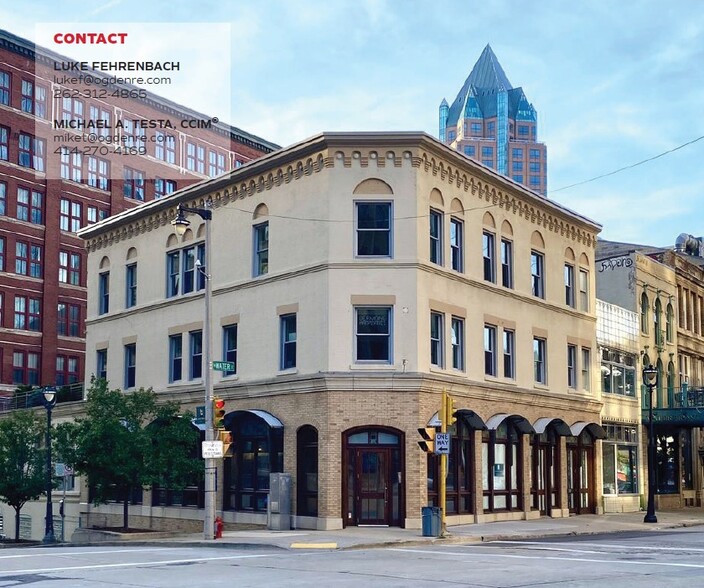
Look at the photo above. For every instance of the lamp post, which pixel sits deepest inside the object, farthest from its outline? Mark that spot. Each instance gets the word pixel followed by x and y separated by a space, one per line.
pixel 49 394
pixel 650 378
pixel 180 224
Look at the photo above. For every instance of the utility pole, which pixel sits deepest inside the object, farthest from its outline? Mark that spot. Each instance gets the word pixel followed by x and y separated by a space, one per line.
pixel 443 467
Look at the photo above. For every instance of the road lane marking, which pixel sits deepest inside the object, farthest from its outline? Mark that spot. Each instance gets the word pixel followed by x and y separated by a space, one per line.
pixel 72 553
pixel 129 564
pixel 623 546
pixel 563 559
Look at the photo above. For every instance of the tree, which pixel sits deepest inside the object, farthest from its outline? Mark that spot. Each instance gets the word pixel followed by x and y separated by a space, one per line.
pixel 22 461
pixel 127 441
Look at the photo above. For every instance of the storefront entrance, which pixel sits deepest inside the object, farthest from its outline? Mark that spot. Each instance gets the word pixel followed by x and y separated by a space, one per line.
pixel 372 486
pixel 580 474
pixel 545 475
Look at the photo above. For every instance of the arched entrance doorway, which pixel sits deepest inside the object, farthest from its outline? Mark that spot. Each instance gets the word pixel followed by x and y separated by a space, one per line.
pixel 258 450
pixel 581 469
pixel 373 477
pixel 307 471
pixel 546 468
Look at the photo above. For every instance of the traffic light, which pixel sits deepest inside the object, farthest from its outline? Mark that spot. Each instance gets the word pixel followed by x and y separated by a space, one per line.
pixel 226 438
pixel 218 413
pixel 428 442
pixel 450 408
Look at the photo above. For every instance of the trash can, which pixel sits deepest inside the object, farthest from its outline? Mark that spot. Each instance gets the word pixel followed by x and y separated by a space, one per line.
pixel 431 521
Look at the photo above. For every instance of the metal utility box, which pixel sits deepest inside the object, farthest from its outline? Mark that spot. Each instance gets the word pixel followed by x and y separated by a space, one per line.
pixel 279 504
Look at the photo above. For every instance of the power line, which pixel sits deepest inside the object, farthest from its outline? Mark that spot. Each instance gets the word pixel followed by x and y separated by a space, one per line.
pixel 682 146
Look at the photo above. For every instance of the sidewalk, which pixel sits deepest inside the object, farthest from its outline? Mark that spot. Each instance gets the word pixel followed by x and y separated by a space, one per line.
pixel 366 537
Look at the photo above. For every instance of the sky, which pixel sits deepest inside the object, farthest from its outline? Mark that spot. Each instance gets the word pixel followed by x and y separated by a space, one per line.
pixel 614 83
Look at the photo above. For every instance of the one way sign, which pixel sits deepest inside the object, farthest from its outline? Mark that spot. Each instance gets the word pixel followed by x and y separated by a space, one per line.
pixel 442 443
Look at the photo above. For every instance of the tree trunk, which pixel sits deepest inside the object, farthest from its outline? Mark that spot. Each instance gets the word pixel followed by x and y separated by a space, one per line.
pixel 125 510
pixel 17 523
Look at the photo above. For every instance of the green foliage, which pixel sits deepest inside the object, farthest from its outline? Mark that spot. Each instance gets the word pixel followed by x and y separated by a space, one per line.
pixel 128 440
pixel 22 460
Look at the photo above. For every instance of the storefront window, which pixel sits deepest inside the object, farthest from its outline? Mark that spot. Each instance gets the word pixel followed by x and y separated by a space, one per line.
pixel 618 373
pixel 620 463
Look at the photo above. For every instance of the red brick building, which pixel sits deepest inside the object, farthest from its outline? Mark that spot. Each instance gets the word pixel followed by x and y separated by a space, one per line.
pixel 51 185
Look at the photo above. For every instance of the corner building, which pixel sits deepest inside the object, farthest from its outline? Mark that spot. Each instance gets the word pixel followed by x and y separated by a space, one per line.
pixel 47 193
pixel 355 277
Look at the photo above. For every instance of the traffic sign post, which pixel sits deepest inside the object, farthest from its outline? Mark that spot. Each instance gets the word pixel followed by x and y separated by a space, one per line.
pixel 224 366
pixel 212 449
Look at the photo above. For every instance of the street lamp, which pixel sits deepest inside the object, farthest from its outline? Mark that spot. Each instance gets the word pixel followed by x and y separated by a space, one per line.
pixel 49 394
pixel 650 378
pixel 180 224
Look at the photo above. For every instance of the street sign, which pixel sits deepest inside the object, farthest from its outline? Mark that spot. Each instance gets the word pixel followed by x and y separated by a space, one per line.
pixel 442 443
pixel 224 366
pixel 200 415
pixel 212 449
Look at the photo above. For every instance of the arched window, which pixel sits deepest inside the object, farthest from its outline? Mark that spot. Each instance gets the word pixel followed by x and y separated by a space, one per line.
pixel 668 324
pixel 671 385
pixel 657 322
pixel 644 311
pixel 307 474
pixel 661 373
pixel 257 441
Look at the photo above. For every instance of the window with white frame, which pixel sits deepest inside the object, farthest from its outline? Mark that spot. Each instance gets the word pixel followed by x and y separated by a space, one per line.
pixel 175 357
pixel 540 360
pixel 183 274
pixel 489 256
pixel 457 334
pixel 572 366
pixel 374 229
pixel 509 349
pixel 130 371
pixel 229 347
pixel 261 249
pixel 457 244
pixel 583 290
pixel 436 236
pixel 103 292
pixel 101 363
pixel 586 368
pixel 490 350
pixel 618 373
pixel 537 270
pixel 195 349
pixel 287 349
pixel 436 339
pixel 373 334
pixel 506 263
pixel 131 285
pixel 569 285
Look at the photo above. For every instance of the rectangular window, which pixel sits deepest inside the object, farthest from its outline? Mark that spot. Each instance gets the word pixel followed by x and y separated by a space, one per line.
pixel 4 143
pixel 586 369
pixel 68 319
pixel 374 235
pixel 457 343
pixel 30 206
pixel 620 460
pixel 27 313
pixel 175 358
pixel 517 178
pixel 539 359
pixel 469 150
pixel 373 328
pixel 489 257
pixel 98 174
pixel 487 152
pixel 436 237
pixel 506 263
pixel 183 275
pixel 517 166
pixel 35 261
pixel 163 187
pixel 32 152
pixel 287 348
pixel 537 274
pixel 523 131
pixel 165 147
pixel 216 164
pixel 535 180
pixel 436 339
pixel 261 249
pixel 131 285
pixel 104 293
pixel 229 347
pixel 584 290
pixel 476 128
pixel 517 153
pixel 70 215
pixel 72 109
pixel 130 365
pixel 572 366
pixel 128 132
pixel 25 368
pixel 3 198
pixel 66 370
pixel 173 273
pixel 457 244
pixel 33 99
pixel 4 88
pixel 21 258
pixel 195 370
pixel 490 350
pixel 133 186
pixel 71 164
pixel 509 354
pixel 569 285
pixel 2 254
pixel 100 114
pixel 101 363
pixel 535 153
pixel 69 268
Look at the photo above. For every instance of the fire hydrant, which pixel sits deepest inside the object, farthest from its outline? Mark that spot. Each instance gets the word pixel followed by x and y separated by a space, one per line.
pixel 218 527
